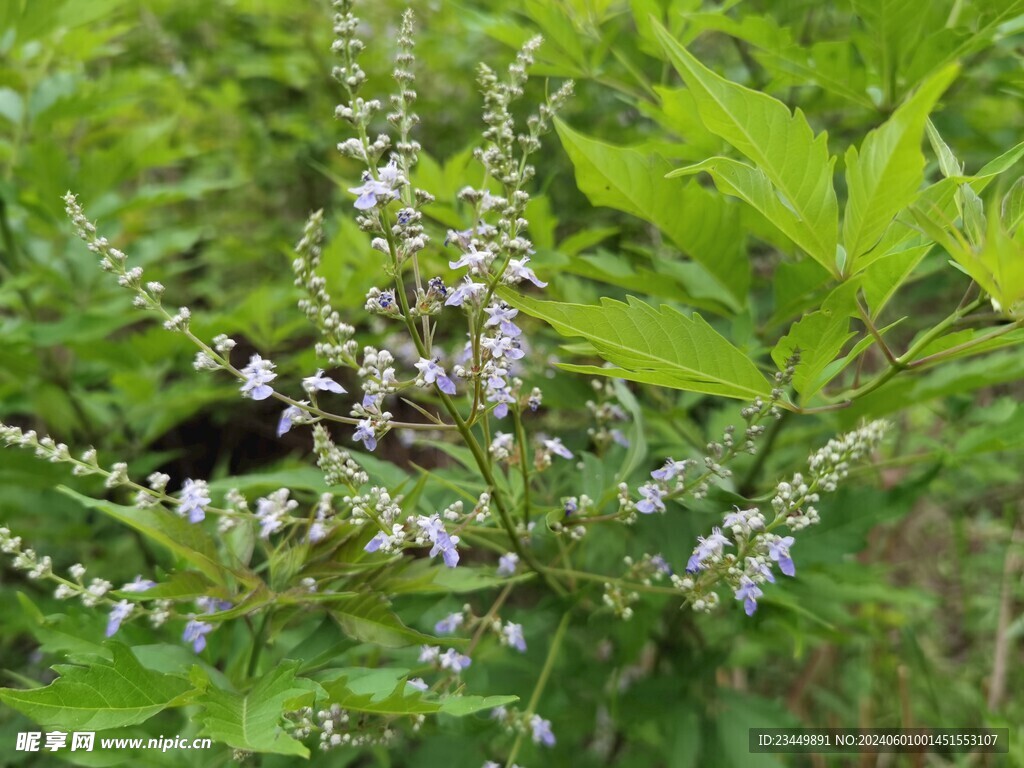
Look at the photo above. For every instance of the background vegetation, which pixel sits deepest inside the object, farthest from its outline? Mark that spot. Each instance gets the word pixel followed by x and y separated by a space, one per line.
pixel 201 136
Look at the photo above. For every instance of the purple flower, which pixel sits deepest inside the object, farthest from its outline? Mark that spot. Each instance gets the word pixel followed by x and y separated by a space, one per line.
pixel 513 636
pixel 375 543
pixel 652 499
pixel 620 437
pixel 368 192
pixel 670 470
pixel 507 564
pixel 756 568
pixel 466 291
pixel 429 654
pixel 139 585
pixel 748 592
pixel 778 551
pixel 118 613
pixel 555 446
pixel 571 506
pixel 195 497
pixel 371 189
pixel 542 731
pixel 502 315
pixel 417 683
pixel 474 259
pixel 455 661
pixel 503 346
pixel 258 374
pixel 433 373
pixel 287 416
pixel 320 383
pixel 195 633
pixel 436 287
pixel 518 271
pixel 364 434
pixel 212 604
pixel 661 564
pixel 711 546
pixel 504 399
pixel 449 624
pixel 443 543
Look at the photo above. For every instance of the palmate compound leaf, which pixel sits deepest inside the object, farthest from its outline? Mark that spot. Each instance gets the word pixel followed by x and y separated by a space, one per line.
pixel 252 721
pixel 654 346
pixel 779 143
pixel 101 694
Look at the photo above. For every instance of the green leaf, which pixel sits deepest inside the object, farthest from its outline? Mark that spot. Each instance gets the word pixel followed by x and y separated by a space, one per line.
pixel 884 276
pixel 996 264
pixel 1012 208
pixel 940 202
pixel 700 224
pixel 370 691
pixel 179 586
pixel 752 186
pixel 779 143
pixel 948 163
pixel 884 177
pixel 369 619
pixel 105 693
pixel 424 577
pixel 819 336
pixel 252 721
pixel 895 27
pixel 656 346
pixel 190 542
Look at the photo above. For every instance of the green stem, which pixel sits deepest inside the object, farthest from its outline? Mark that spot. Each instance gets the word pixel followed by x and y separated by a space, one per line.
pixel 538 689
pixel 257 645
pixel 967 345
pixel 907 359
pixel 524 462
pixel 653 589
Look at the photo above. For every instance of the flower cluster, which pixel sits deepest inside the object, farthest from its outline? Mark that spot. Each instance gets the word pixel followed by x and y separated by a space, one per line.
pixel 745 549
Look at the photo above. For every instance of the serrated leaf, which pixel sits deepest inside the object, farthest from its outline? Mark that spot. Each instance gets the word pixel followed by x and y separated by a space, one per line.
pixel 252 721
pixel 701 225
pixel 656 346
pixel 103 694
pixel 179 586
pixel 380 694
pixel 940 201
pixel 424 577
pixel 190 542
pixel 369 619
pixel 780 144
pixel 753 187
pixel 884 176
pixel 819 336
